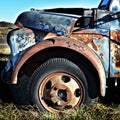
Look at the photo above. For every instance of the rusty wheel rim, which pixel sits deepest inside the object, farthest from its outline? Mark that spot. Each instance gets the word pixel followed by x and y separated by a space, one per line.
pixel 60 91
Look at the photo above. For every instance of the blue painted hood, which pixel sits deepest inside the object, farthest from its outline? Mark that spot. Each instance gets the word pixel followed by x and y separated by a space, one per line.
pixel 61 24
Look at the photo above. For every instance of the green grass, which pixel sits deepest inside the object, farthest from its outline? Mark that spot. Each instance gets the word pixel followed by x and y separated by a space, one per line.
pixel 97 112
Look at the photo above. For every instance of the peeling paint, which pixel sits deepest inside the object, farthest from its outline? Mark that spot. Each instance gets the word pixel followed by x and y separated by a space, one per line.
pixel 48 22
pixel 98 29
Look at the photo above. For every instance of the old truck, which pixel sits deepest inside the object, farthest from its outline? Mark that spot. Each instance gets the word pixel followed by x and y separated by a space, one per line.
pixel 62 58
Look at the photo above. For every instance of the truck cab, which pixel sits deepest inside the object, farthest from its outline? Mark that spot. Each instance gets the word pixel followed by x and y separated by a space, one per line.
pixel 62 58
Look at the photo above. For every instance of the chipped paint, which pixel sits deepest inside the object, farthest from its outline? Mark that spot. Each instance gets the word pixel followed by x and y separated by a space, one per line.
pixel 97 29
pixel 115 54
pixel 20 39
pixel 49 22
pixel 96 41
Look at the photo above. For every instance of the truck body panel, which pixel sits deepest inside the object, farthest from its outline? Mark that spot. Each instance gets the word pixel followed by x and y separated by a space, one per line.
pixel 77 46
pixel 59 24
pixel 97 35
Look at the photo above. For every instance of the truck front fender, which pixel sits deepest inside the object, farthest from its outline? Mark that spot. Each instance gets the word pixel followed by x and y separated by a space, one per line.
pixel 77 46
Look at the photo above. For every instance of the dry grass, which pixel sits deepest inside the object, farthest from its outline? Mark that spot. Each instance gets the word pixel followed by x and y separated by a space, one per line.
pixel 4 49
pixel 4 52
pixel 97 112
pixel 3 32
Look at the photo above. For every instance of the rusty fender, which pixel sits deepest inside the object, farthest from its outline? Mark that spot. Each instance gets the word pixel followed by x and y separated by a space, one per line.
pixel 67 43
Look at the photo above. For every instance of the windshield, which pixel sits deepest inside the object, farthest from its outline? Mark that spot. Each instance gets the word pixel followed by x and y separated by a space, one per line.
pixel 104 2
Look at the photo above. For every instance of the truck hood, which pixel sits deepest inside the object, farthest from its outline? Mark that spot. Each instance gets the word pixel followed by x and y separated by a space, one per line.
pixel 58 23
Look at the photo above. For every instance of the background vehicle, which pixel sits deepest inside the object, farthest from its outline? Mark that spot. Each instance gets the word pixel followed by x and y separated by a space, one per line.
pixel 62 58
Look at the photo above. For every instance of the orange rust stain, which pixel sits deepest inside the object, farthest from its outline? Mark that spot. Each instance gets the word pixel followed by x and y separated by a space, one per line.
pixel 114 53
pixel 115 35
pixel 87 37
pixel 117 61
pixel 50 35
pixel 101 54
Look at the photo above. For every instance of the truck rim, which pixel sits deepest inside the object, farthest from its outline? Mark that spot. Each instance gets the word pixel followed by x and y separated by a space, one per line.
pixel 60 91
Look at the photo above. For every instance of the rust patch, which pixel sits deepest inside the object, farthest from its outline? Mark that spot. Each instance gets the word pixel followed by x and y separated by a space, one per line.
pixel 69 31
pixel 50 35
pixel 115 54
pixel 115 35
pixel 87 37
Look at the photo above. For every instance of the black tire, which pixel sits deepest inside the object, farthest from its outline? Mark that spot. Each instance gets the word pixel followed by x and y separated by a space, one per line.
pixel 20 92
pixel 56 83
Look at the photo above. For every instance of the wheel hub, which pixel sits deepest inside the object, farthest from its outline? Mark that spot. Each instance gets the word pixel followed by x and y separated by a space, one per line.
pixel 61 91
pixel 61 94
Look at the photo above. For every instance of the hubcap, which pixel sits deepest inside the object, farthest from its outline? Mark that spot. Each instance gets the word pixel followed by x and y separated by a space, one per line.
pixel 60 91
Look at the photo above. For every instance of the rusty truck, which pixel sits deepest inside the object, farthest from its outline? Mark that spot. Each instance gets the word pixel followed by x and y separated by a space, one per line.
pixel 62 58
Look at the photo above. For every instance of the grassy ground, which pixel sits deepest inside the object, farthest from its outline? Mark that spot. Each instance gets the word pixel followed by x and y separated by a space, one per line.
pixel 97 112
pixel 4 49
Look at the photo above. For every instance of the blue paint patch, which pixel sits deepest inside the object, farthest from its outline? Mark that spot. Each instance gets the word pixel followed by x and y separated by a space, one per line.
pixel 48 22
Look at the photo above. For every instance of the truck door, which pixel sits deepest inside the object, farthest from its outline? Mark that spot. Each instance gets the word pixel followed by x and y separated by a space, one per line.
pixel 112 7
pixel 115 39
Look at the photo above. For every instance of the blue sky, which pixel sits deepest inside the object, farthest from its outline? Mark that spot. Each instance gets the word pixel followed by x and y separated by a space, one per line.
pixel 9 9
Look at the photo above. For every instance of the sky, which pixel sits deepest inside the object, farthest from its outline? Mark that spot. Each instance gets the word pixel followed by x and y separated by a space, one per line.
pixel 10 9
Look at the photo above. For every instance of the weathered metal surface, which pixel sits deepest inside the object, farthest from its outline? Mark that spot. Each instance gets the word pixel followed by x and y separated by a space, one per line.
pixel 98 42
pixel 109 21
pixel 115 40
pixel 20 39
pixel 115 54
pixel 77 46
pixel 105 39
pixel 49 22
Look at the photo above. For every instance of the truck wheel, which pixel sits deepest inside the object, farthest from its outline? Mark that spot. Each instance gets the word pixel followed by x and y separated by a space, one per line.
pixel 59 84
pixel 20 92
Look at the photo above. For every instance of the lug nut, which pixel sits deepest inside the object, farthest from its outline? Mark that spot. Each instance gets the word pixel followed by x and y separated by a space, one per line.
pixel 58 102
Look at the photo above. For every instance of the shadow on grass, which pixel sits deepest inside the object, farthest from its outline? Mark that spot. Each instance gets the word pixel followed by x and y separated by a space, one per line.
pixel 112 93
pixel 4 88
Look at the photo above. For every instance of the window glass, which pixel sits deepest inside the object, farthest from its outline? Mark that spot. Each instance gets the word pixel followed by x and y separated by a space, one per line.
pixel 104 2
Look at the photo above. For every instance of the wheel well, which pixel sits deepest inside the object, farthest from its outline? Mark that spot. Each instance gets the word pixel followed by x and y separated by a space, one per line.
pixel 39 58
